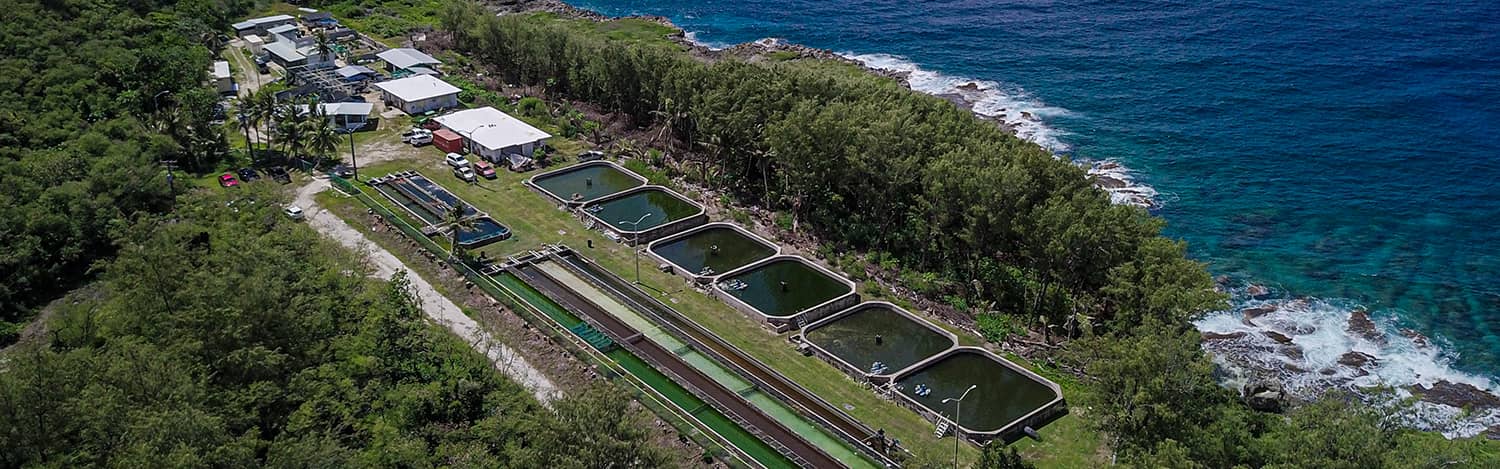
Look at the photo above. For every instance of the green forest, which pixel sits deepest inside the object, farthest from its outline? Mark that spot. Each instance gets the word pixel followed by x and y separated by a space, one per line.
pixel 967 210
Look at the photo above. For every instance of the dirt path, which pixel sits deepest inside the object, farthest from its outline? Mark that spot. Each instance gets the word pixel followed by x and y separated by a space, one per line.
pixel 438 307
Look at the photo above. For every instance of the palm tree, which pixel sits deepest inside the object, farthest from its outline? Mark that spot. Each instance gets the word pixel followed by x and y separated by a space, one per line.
pixel 456 223
pixel 322 136
pixel 262 109
pixel 289 128
pixel 323 46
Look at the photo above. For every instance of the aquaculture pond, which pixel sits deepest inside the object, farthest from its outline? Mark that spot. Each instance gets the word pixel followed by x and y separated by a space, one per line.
pixel 1002 396
pixel 712 250
pixel 486 230
pixel 587 181
pixel 651 207
pixel 784 287
pixel 877 338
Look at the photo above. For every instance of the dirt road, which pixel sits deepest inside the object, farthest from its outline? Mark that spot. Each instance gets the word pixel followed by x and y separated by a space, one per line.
pixel 438 307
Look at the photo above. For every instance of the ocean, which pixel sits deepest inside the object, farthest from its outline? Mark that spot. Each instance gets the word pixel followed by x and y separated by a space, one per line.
pixel 1322 157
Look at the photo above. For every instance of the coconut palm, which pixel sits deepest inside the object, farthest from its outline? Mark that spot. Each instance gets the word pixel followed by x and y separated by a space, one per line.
pixel 321 135
pixel 457 222
pixel 289 128
pixel 323 46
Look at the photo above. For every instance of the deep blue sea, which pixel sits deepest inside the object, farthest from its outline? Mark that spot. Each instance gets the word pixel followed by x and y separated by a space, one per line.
pixel 1344 153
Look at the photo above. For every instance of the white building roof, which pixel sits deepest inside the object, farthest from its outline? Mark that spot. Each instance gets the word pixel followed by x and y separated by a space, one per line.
pixel 221 69
pixel 490 128
pixel 352 71
pixel 417 88
pixel 253 22
pixel 407 58
pixel 282 30
pixel 285 51
pixel 342 109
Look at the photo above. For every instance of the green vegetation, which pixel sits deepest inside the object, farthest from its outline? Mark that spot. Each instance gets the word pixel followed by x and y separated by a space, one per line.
pixel 239 337
pixel 95 95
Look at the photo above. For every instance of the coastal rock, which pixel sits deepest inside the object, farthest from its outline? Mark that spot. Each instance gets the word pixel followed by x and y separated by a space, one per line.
pixel 1492 433
pixel 1264 395
pixel 1258 292
pixel 1416 337
pixel 970 86
pixel 1355 359
pixel 1277 336
pixel 1109 182
pixel 1028 116
pixel 1256 311
pixel 1461 395
pixel 1222 336
pixel 1293 352
pixel 1360 325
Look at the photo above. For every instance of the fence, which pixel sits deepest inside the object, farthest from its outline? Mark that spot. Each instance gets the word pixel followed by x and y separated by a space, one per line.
pixel 679 418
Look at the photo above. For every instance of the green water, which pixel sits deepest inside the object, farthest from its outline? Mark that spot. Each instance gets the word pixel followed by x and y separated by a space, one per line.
pixel 663 207
pixel 590 181
pixel 1002 395
pixel 902 341
pixel 771 406
pixel 805 287
pixel 720 249
pixel 746 442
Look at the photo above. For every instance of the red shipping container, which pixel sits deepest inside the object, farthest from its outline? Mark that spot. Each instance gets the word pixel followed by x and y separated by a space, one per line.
pixel 448 141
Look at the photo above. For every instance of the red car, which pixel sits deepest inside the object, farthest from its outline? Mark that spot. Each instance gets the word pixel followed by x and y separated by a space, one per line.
pixel 228 180
pixel 484 168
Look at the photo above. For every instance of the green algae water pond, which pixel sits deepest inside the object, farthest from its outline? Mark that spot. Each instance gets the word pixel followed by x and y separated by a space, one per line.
pixel 784 287
pixel 650 206
pixel 712 250
pixel 1003 395
pixel 587 181
pixel 877 333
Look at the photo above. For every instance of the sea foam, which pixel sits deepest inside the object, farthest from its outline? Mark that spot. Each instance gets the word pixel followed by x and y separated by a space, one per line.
pixel 1315 345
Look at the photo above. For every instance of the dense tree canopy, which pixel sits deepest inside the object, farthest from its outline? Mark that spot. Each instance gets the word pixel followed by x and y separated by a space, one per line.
pixel 235 337
pixel 93 95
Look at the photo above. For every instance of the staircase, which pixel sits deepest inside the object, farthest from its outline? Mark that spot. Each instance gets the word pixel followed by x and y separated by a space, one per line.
pixel 942 429
pixel 595 338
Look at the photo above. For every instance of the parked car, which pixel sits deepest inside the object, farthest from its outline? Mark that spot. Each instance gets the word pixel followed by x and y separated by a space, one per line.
pixel 227 180
pixel 294 212
pixel 591 155
pixel 279 174
pixel 484 168
pixel 417 137
pixel 248 174
pixel 456 160
pixel 343 171
pixel 464 172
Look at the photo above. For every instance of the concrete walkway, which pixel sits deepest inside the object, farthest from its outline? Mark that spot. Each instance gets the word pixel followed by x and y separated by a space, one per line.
pixel 438 307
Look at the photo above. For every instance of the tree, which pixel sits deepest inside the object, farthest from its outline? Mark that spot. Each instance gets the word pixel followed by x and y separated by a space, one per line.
pixel 999 456
pixel 458 221
pixel 322 136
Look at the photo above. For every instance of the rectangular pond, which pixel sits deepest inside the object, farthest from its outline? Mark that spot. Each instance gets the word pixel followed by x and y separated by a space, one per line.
pixel 430 203
pixel 877 338
pixel 486 230
pixel 644 212
pixel 1007 397
pixel 586 182
pixel 786 286
pixel 712 249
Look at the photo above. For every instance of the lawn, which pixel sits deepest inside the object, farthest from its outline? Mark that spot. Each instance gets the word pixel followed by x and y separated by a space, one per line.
pixel 535 219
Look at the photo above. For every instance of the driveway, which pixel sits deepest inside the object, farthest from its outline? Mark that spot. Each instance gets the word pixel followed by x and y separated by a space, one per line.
pixel 438 307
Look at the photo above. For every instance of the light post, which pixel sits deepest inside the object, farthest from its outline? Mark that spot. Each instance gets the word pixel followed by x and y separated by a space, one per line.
pixel 958 407
pixel 636 227
pixel 352 160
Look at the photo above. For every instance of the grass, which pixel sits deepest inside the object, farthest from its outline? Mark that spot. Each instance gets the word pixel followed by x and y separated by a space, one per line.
pixel 634 30
pixel 534 220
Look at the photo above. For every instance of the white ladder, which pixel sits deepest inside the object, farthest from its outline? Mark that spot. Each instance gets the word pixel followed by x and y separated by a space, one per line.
pixel 942 429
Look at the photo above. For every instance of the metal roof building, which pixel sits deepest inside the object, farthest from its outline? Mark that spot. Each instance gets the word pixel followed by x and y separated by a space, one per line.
pixel 419 94
pixel 493 134
pixel 404 58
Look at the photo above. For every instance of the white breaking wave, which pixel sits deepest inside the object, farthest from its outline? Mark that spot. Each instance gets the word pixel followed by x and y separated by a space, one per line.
pixel 1313 345
pixel 1020 111
pixel 692 36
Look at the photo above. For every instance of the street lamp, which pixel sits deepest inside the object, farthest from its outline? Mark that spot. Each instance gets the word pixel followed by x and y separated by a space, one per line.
pixel 958 407
pixel 636 227
pixel 352 159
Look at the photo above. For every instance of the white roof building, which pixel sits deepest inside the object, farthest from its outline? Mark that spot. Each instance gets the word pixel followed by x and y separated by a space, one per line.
pixel 418 94
pixel 221 70
pixel 404 58
pixel 259 25
pixel 223 80
pixel 493 134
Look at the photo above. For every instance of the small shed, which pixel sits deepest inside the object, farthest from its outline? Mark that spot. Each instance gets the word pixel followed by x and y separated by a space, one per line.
pixel 255 43
pixel 448 141
pixel 405 58
pixel 356 73
pixel 258 26
pixel 223 80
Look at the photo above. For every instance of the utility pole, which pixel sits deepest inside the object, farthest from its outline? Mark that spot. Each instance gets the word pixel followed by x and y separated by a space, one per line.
pixel 636 226
pixel 958 408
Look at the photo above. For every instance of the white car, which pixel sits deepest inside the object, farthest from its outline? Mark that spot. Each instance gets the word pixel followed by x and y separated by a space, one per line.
pixel 464 172
pixel 417 137
pixel 456 160
pixel 294 212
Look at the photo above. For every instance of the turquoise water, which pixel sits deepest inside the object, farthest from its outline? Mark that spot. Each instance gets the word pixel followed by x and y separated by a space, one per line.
pixel 1342 153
